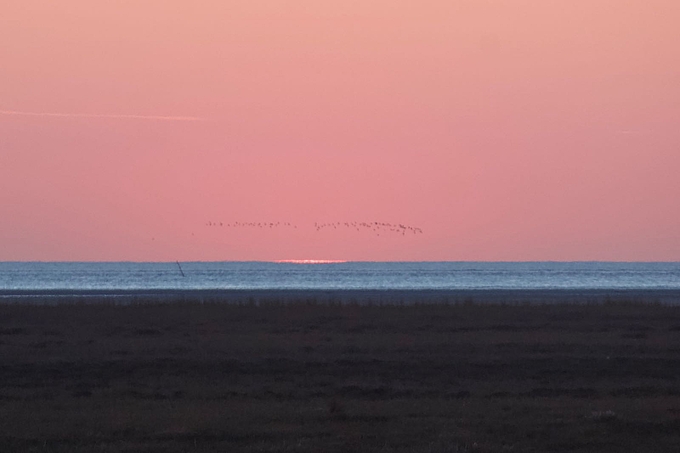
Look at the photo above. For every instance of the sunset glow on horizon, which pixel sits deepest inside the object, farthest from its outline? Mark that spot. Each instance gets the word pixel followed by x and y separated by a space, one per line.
pixel 310 261
pixel 480 130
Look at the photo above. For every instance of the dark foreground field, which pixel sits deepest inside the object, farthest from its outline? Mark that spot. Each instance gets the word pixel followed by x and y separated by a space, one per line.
pixel 306 377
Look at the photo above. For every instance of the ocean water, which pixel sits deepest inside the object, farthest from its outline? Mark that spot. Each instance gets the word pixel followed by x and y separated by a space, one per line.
pixel 47 276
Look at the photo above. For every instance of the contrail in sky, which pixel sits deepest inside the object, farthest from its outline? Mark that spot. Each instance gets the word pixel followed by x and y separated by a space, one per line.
pixel 103 115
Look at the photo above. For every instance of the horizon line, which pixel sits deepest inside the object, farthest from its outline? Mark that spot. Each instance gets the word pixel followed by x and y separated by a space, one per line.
pixel 352 261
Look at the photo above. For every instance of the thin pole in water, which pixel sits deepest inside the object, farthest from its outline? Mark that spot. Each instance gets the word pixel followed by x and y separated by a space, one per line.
pixel 180 269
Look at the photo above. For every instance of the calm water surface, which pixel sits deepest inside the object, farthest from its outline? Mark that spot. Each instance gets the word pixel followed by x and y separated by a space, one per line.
pixel 351 275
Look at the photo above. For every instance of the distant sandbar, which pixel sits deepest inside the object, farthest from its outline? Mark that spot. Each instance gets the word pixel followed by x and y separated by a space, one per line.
pixel 361 296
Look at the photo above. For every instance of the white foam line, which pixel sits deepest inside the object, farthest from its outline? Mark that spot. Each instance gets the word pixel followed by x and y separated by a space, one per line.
pixel 102 115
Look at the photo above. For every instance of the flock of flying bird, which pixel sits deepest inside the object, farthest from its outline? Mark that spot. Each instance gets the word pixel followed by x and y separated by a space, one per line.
pixel 251 224
pixel 372 227
pixel 376 227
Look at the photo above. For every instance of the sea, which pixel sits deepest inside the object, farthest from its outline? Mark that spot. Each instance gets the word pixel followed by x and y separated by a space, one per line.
pixel 18 277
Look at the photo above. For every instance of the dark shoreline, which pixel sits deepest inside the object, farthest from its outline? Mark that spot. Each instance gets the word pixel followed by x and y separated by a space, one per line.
pixel 361 296
pixel 306 377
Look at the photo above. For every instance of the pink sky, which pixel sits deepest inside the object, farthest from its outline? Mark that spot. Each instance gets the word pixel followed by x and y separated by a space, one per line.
pixel 505 129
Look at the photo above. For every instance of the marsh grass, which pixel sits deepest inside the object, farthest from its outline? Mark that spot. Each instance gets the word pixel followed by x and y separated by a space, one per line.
pixel 311 376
